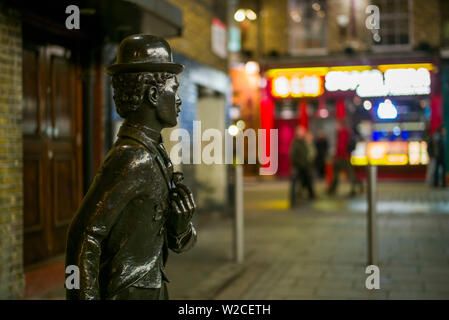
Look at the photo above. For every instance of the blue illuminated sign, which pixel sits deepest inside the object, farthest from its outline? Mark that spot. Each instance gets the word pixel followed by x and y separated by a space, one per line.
pixel 387 110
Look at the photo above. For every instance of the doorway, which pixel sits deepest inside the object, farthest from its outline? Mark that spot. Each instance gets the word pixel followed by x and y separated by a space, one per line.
pixel 211 178
pixel 52 147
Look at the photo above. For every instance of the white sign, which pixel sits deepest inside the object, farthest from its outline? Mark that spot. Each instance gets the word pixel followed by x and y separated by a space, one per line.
pixel 218 33
pixel 372 83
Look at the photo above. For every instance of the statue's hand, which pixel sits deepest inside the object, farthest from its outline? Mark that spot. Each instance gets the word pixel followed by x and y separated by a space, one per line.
pixel 183 206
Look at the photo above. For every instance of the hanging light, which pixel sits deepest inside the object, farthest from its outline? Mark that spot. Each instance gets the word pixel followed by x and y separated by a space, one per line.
pixel 239 15
pixel 242 14
pixel 251 15
pixel 252 67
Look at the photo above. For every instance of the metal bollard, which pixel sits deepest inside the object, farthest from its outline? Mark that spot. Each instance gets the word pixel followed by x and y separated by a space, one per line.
pixel 372 201
pixel 238 223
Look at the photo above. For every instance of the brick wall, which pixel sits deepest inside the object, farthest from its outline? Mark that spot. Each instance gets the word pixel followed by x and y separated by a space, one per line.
pixel 195 42
pixel 425 17
pixel 359 39
pixel 426 22
pixel 274 27
pixel 11 216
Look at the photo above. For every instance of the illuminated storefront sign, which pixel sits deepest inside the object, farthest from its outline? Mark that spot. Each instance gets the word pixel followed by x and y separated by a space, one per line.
pixel 390 153
pixel 297 82
pixel 417 152
pixel 296 86
pixel 366 81
pixel 372 83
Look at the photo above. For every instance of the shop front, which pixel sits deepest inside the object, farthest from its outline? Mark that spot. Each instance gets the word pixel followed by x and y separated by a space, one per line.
pixel 391 108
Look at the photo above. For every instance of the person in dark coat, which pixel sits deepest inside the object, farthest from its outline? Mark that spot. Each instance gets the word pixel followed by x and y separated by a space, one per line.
pixel 301 166
pixel 137 207
pixel 321 146
pixel 342 158
pixel 439 153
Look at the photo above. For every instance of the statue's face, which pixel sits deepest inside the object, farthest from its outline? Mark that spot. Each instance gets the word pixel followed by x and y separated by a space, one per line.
pixel 168 104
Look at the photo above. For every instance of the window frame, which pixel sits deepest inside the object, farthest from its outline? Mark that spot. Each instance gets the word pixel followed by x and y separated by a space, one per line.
pixel 398 47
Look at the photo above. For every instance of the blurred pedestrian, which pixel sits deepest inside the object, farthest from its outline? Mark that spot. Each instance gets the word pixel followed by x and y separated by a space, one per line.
pixel 345 145
pixel 430 172
pixel 311 150
pixel 439 143
pixel 311 157
pixel 321 146
pixel 300 159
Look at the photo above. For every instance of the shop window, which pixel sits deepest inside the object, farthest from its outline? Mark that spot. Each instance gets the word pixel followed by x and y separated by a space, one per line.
pixel 394 24
pixel 307 26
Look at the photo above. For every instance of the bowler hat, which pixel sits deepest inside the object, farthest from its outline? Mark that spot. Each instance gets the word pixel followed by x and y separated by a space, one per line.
pixel 144 52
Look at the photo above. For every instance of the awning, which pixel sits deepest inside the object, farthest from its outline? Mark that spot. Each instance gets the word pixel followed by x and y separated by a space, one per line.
pixel 121 18
pixel 112 20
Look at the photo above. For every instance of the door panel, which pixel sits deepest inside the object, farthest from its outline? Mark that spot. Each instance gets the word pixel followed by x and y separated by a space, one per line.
pixel 62 95
pixel 52 180
pixel 64 184
pixel 34 219
pixel 34 167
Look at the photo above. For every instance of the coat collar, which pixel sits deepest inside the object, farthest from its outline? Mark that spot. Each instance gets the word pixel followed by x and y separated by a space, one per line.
pixel 143 134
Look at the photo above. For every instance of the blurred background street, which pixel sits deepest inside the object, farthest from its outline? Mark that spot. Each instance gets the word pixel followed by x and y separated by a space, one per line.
pixel 318 250
pixel 336 86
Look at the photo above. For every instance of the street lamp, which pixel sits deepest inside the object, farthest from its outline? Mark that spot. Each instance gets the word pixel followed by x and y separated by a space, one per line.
pixel 241 14
pixel 252 67
pixel 233 130
pixel 250 14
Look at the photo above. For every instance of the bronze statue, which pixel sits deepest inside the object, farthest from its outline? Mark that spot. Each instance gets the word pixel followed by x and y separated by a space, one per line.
pixel 136 208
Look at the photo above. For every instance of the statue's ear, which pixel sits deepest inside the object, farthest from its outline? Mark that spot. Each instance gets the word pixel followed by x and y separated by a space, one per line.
pixel 153 95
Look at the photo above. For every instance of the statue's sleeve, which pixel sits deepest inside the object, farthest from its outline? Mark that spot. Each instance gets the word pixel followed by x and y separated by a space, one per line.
pixel 182 242
pixel 119 181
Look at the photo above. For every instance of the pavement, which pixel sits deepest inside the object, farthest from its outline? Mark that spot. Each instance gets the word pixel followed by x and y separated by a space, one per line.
pixel 318 250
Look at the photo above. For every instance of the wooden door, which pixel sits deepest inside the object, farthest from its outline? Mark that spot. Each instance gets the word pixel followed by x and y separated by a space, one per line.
pixel 52 177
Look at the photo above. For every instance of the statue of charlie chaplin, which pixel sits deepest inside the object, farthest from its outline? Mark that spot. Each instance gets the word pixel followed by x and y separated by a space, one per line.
pixel 136 208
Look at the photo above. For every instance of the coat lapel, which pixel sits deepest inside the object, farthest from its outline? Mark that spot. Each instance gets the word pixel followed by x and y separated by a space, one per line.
pixel 156 149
